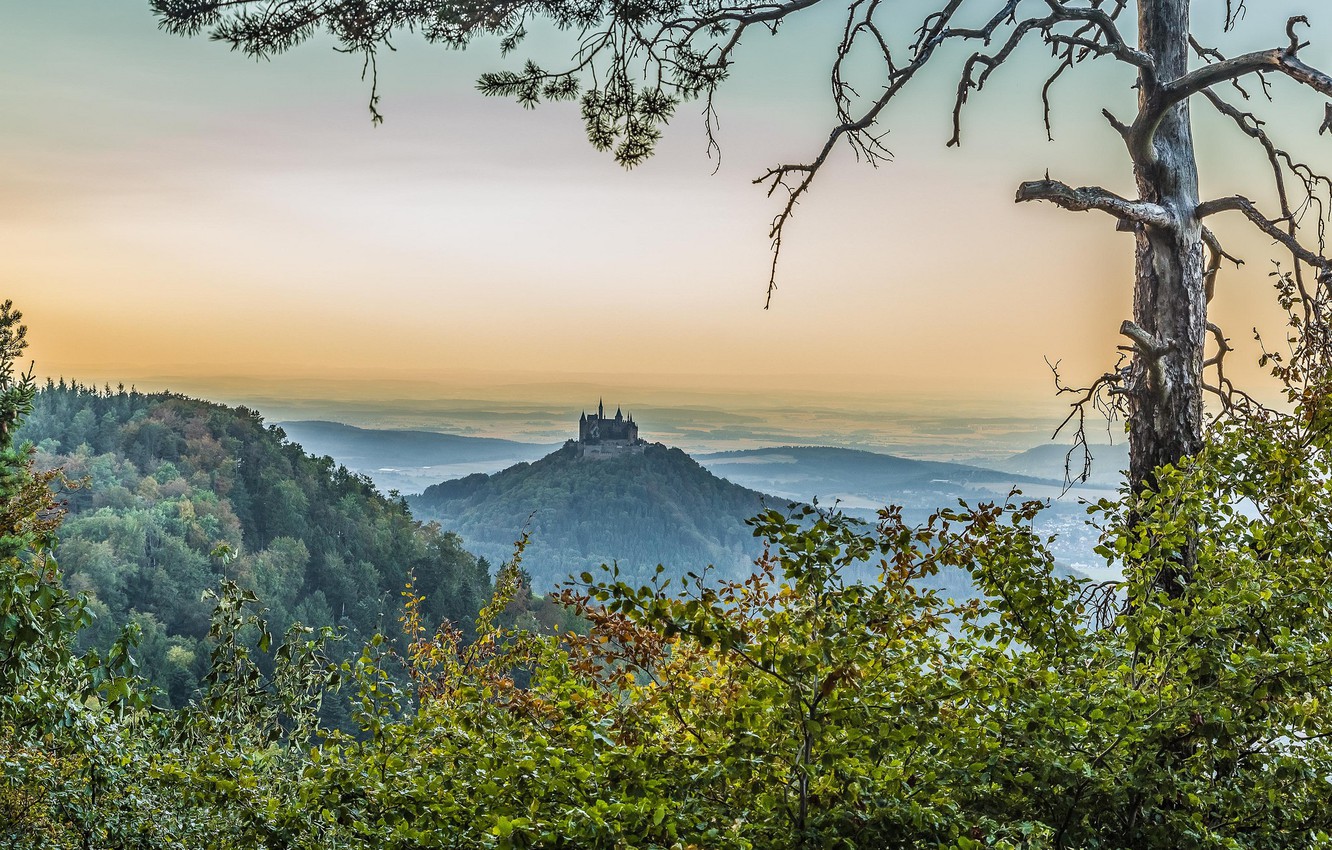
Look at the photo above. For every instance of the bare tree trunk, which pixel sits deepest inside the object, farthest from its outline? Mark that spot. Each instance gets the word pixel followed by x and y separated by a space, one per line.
pixel 1169 300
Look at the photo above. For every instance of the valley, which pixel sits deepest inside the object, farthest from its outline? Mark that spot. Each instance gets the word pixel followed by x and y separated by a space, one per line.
pixel 491 490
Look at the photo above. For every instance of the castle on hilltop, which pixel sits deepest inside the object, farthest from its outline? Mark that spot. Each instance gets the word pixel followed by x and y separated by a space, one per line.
pixel 601 436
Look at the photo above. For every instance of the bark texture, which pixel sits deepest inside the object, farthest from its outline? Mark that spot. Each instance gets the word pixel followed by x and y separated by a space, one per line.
pixel 1169 297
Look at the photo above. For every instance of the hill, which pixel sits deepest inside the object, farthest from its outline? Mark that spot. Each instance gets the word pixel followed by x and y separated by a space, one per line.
pixel 861 482
pixel 409 461
pixel 862 479
pixel 1047 461
pixel 169 478
pixel 659 506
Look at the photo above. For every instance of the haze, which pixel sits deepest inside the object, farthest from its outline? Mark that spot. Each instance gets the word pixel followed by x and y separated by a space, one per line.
pixel 179 217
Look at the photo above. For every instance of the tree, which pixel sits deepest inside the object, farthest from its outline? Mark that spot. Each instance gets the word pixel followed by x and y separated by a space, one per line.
pixel 637 59
pixel 833 700
pixel 39 618
pixel 65 718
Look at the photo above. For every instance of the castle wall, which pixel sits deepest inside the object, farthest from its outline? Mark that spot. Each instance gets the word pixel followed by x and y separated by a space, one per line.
pixel 609 451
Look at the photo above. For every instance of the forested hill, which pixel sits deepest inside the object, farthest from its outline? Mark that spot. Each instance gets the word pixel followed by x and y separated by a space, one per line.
pixel 639 510
pixel 869 479
pixel 171 477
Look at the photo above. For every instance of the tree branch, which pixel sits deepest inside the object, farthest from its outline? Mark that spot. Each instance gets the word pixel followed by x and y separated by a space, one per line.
pixel 1239 203
pixel 1143 342
pixel 1105 396
pixel 1070 48
pixel 1094 198
pixel 1114 41
pixel 1282 59
pixel 933 33
pixel 1216 255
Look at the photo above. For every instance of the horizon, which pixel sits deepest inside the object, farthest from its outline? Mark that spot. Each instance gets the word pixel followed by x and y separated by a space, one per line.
pixel 724 418
pixel 179 217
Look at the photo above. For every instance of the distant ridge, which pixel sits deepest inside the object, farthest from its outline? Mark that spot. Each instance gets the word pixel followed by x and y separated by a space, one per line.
pixel 806 472
pixel 408 460
pixel 861 482
pixel 1049 460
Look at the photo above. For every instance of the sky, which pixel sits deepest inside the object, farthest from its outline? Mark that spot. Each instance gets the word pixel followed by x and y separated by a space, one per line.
pixel 174 215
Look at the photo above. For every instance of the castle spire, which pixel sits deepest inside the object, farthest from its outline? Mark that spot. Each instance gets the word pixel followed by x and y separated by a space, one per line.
pixel 601 410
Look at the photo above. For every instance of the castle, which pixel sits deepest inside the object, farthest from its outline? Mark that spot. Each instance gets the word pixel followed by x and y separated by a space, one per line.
pixel 600 436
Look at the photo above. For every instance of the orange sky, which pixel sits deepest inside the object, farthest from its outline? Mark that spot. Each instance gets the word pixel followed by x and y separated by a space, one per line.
pixel 173 212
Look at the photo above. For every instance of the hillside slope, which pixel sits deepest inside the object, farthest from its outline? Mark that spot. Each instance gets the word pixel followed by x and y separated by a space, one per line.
pixel 170 478
pixel 656 507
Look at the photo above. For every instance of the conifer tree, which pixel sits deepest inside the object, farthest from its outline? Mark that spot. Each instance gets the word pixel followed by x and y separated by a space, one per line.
pixel 39 618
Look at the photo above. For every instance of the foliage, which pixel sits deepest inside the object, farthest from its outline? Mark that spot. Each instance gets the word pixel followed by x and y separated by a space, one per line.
pixel 233 758
pixel 109 773
pixel 84 762
pixel 170 478
pixel 800 708
pixel 64 716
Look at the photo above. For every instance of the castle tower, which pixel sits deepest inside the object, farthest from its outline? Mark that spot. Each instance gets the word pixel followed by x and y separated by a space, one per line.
pixel 601 437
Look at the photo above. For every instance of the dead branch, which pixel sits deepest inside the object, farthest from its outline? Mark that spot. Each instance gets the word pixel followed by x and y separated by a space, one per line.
pixel 1216 254
pixel 1280 59
pixel 1144 343
pixel 1299 252
pixel 1114 44
pixel 1094 198
pixel 1233 400
pixel 1279 161
pixel 1103 600
pixel 797 178
pixel 1104 397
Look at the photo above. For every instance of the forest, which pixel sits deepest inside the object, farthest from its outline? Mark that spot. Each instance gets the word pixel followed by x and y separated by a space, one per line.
pixel 173 494
pixel 637 511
